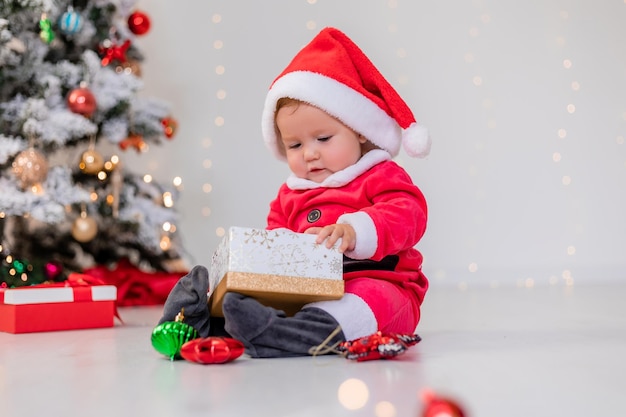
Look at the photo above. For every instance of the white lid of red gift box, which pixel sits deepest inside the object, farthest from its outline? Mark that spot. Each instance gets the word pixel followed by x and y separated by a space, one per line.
pixel 39 295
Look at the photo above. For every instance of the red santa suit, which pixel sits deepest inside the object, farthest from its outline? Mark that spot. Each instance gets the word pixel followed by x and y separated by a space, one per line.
pixel 384 283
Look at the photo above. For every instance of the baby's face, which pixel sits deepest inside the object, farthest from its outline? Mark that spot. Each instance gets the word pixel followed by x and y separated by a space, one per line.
pixel 316 144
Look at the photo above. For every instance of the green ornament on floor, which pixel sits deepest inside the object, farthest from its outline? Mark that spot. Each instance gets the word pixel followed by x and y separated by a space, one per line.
pixel 169 337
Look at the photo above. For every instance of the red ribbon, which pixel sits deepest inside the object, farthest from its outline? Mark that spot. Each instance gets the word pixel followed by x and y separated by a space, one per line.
pixel 77 280
pixel 136 287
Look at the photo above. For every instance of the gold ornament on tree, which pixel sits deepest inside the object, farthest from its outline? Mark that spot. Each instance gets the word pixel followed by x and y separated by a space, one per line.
pixel 85 227
pixel 30 168
pixel 91 162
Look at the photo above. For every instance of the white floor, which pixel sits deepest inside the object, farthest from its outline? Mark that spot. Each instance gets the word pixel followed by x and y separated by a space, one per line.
pixel 553 351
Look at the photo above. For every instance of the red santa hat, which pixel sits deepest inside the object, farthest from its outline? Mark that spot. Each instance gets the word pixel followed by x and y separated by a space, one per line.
pixel 333 74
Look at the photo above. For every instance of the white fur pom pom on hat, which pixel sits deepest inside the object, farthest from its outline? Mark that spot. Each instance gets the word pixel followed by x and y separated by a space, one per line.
pixel 416 141
pixel 332 73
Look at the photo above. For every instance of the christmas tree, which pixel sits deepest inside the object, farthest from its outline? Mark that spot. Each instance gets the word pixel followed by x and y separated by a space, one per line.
pixel 69 84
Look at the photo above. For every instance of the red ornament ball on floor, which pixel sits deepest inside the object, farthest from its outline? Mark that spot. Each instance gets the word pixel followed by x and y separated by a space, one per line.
pixel 212 350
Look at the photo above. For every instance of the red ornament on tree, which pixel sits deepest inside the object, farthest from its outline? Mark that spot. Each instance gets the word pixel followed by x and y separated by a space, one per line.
pixel 111 52
pixel 169 126
pixel 53 270
pixel 82 101
pixel 139 23
pixel 135 141
pixel 212 350
pixel 435 406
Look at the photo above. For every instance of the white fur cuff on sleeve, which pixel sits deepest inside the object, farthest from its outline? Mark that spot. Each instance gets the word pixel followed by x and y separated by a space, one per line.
pixel 366 236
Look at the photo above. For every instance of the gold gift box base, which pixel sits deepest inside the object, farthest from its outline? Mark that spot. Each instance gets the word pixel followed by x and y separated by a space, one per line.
pixel 285 293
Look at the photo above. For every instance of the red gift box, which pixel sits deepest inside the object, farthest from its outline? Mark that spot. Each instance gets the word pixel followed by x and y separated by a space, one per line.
pixel 43 308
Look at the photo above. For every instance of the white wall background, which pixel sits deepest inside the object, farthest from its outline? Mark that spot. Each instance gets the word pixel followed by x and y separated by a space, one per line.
pixel 525 102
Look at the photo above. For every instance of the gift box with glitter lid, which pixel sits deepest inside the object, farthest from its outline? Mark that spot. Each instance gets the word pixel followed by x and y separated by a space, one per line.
pixel 279 268
pixel 52 307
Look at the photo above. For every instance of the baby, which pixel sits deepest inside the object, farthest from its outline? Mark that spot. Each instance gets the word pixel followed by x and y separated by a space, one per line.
pixel 337 123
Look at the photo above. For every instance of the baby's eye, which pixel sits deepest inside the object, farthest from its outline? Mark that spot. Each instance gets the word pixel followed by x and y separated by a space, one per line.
pixel 293 146
pixel 324 139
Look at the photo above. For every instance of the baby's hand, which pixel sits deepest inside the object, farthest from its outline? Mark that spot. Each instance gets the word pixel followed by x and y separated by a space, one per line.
pixel 332 233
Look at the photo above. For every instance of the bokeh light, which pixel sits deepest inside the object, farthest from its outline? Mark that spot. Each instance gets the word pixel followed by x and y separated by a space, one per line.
pixel 353 394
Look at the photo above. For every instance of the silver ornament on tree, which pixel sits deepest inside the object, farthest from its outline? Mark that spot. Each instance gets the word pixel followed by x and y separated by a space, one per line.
pixel 84 227
pixel 30 167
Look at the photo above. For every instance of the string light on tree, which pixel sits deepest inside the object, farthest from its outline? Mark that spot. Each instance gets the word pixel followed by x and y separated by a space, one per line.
pixel 18 271
pixel 168 199
pixel 166 243
pixel 131 66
